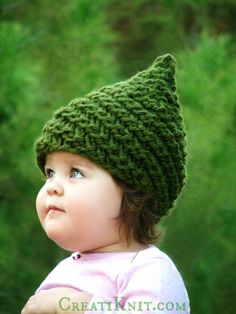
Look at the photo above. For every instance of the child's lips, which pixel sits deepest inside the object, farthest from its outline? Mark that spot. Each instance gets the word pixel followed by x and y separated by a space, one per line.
pixel 54 208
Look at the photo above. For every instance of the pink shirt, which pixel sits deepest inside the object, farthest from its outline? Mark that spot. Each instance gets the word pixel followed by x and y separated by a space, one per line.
pixel 139 282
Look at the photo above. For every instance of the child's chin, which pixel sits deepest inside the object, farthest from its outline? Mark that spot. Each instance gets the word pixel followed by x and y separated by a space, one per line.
pixel 59 238
pixel 55 234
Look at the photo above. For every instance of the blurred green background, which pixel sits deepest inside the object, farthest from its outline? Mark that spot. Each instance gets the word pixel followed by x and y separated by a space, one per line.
pixel 54 51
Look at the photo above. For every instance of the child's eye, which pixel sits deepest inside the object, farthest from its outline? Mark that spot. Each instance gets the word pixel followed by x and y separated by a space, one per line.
pixel 49 173
pixel 76 173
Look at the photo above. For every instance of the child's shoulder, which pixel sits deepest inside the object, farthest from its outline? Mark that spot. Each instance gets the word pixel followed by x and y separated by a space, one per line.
pixel 154 270
pixel 155 264
pixel 153 257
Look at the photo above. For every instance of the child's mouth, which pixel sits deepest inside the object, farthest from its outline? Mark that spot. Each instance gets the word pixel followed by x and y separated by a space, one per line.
pixel 55 209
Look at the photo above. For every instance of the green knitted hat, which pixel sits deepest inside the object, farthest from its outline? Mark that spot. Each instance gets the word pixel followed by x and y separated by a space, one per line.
pixel 133 129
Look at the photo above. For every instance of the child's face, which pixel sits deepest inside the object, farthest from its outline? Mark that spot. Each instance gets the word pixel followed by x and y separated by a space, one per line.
pixel 79 204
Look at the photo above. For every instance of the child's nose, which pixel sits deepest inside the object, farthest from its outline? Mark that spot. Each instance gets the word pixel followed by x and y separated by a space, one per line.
pixel 54 187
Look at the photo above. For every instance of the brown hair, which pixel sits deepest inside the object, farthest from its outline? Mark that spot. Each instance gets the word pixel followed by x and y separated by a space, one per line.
pixel 139 216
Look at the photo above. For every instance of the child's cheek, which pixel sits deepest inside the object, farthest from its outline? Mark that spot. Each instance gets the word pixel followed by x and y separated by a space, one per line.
pixel 41 204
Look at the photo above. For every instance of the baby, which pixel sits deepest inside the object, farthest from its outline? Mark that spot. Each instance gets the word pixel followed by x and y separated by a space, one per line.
pixel 114 163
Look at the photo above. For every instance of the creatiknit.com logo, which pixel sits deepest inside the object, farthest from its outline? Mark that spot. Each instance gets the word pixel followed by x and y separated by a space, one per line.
pixel 66 305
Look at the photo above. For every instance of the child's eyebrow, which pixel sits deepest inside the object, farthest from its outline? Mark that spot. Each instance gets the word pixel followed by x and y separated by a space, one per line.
pixel 81 161
pixel 73 161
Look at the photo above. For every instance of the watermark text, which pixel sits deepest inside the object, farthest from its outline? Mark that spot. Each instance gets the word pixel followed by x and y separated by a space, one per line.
pixel 119 304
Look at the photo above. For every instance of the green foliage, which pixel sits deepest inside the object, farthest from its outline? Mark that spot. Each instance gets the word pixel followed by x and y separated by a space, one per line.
pixel 52 52
pixel 20 82
pixel 147 28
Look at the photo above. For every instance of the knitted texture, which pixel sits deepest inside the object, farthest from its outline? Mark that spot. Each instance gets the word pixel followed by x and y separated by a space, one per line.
pixel 133 129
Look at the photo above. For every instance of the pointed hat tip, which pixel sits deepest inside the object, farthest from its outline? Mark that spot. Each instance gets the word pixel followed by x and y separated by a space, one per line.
pixel 165 60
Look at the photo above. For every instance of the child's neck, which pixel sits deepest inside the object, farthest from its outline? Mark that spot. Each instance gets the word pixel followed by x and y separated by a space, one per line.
pixel 119 247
